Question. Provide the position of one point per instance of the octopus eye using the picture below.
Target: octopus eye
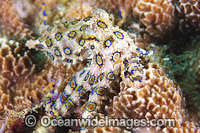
(119, 35)
(90, 106)
(101, 24)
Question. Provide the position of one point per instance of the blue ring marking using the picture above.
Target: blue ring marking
(87, 18)
(81, 44)
(58, 34)
(45, 22)
(92, 47)
(120, 12)
(82, 72)
(51, 112)
(83, 27)
(50, 55)
(90, 62)
(116, 34)
(97, 60)
(53, 105)
(114, 55)
(108, 41)
(83, 128)
(74, 81)
(49, 39)
(51, 91)
(112, 75)
(59, 26)
(41, 39)
(47, 102)
(44, 14)
(86, 77)
(138, 49)
(135, 70)
(92, 108)
(66, 52)
(101, 24)
(137, 79)
(75, 22)
(39, 45)
(57, 52)
(80, 88)
(68, 100)
(73, 34)
(94, 90)
(91, 83)
(78, 54)
(43, 3)
(69, 61)
(101, 75)
(62, 95)
(84, 91)
(104, 89)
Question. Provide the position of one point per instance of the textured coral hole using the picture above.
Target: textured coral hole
(188, 9)
(19, 69)
(8, 63)
(4, 52)
(147, 75)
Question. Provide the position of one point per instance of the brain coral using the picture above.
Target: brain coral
(11, 23)
(156, 15)
(156, 97)
(189, 11)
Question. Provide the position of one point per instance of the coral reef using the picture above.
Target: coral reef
(156, 97)
(189, 15)
(11, 23)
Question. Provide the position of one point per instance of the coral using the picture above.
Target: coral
(189, 15)
(186, 127)
(156, 15)
(15, 62)
(156, 97)
(11, 23)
